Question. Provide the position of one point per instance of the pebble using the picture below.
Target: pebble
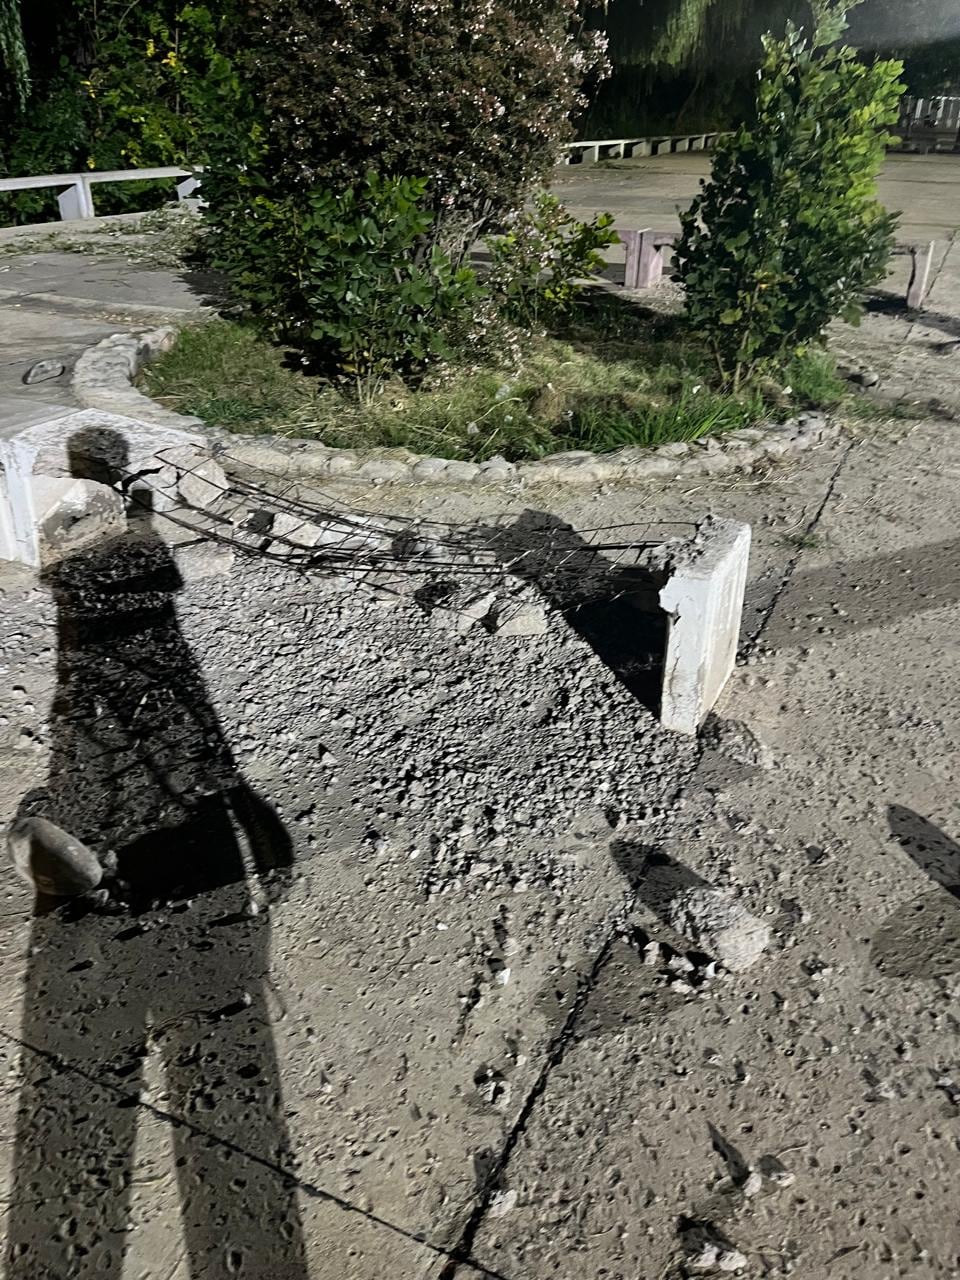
(43, 371)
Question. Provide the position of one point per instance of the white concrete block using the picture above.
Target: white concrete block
(18, 525)
(703, 599)
(174, 467)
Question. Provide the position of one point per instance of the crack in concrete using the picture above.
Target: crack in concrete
(461, 1253)
(65, 1067)
(752, 643)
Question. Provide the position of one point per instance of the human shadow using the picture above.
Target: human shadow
(612, 607)
(922, 938)
(654, 876)
(173, 967)
(628, 990)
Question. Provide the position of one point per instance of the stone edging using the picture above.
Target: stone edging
(103, 379)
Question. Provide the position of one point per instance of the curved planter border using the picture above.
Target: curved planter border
(103, 379)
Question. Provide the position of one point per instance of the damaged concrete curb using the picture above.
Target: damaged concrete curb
(103, 379)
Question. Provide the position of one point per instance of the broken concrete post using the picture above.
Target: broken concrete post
(922, 259)
(703, 600)
(18, 525)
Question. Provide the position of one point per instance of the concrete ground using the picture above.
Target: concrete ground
(439, 1047)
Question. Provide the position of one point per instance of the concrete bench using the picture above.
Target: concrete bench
(644, 262)
(76, 197)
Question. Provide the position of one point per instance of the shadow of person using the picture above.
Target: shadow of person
(613, 608)
(922, 938)
(174, 970)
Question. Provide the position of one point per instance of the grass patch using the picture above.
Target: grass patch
(614, 377)
(814, 381)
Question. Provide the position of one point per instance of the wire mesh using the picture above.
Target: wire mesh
(263, 514)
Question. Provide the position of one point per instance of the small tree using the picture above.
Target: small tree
(788, 233)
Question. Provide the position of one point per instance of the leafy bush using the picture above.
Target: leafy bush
(115, 85)
(475, 95)
(788, 233)
(351, 278)
(539, 263)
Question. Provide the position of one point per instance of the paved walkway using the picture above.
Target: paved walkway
(53, 305)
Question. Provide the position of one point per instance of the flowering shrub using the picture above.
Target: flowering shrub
(474, 95)
(468, 101)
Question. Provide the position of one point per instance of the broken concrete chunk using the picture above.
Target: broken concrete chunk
(52, 860)
(736, 741)
(461, 612)
(519, 618)
(203, 559)
(718, 925)
(72, 513)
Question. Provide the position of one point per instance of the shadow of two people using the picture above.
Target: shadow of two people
(140, 766)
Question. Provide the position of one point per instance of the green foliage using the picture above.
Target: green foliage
(351, 278)
(813, 380)
(114, 86)
(476, 95)
(787, 234)
(13, 53)
(539, 264)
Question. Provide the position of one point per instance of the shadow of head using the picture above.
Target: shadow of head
(653, 875)
(932, 850)
(100, 454)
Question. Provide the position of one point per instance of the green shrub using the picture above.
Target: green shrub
(787, 234)
(539, 264)
(350, 278)
(476, 95)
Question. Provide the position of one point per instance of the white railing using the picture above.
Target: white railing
(76, 197)
(656, 144)
(941, 113)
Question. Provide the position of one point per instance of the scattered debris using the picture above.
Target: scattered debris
(737, 742)
(720, 926)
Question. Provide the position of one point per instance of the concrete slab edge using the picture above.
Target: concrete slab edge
(103, 379)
